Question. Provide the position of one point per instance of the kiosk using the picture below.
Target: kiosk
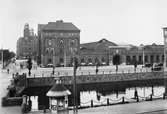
(58, 98)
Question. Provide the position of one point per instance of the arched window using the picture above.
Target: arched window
(102, 59)
(96, 60)
(82, 60)
(61, 60)
(89, 60)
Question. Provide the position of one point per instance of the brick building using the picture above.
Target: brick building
(58, 41)
(28, 44)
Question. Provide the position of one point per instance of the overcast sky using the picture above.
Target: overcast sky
(120, 21)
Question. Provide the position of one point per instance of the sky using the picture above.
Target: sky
(120, 21)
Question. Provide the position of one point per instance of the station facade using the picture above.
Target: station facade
(58, 42)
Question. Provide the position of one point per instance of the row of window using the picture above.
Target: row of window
(61, 34)
(90, 60)
(147, 58)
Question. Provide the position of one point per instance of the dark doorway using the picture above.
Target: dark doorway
(116, 59)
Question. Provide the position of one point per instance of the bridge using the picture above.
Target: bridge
(96, 78)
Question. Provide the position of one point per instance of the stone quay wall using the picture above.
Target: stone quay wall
(100, 78)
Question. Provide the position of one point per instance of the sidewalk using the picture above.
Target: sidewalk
(132, 108)
(148, 107)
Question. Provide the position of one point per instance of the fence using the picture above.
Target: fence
(123, 100)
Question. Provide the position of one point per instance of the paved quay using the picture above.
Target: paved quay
(146, 107)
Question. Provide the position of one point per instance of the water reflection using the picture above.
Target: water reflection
(100, 96)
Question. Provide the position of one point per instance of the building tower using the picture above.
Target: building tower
(26, 30)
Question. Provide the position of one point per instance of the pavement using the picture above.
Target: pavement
(147, 107)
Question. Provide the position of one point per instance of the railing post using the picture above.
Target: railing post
(108, 102)
(151, 97)
(164, 96)
(91, 103)
(123, 100)
(137, 99)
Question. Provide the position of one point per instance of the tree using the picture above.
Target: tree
(29, 65)
(7, 56)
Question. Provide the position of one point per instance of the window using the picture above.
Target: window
(82, 60)
(96, 60)
(157, 58)
(128, 59)
(151, 58)
(103, 60)
(89, 60)
(146, 58)
(61, 60)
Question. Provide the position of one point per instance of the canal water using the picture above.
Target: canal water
(99, 93)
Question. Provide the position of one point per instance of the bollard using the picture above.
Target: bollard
(103, 72)
(151, 97)
(34, 75)
(108, 102)
(91, 103)
(89, 73)
(137, 99)
(123, 100)
(81, 73)
(164, 96)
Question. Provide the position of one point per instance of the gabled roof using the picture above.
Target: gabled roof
(59, 25)
(101, 44)
(58, 90)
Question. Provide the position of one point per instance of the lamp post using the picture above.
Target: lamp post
(74, 50)
(143, 57)
(165, 45)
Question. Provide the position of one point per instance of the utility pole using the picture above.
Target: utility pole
(2, 57)
(74, 82)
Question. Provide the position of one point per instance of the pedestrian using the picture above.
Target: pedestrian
(136, 94)
(97, 70)
(8, 71)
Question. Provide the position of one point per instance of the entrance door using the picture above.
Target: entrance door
(116, 59)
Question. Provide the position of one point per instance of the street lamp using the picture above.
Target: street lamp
(165, 45)
(75, 64)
